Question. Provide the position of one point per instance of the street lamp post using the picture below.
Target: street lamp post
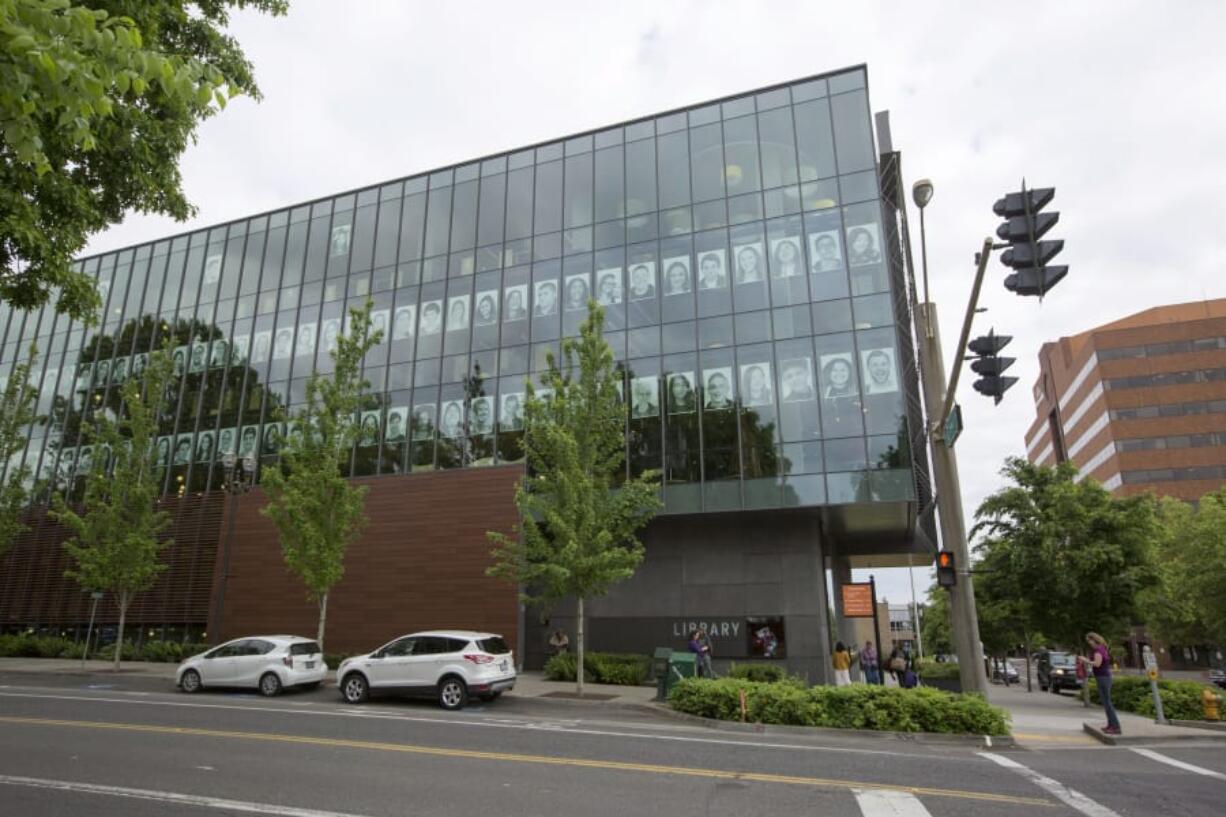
(237, 482)
(938, 398)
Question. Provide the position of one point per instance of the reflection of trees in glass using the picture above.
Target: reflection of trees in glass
(758, 450)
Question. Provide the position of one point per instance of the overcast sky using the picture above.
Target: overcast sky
(1110, 102)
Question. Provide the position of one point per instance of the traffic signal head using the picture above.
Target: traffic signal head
(1022, 229)
(947, 575)
(990, 366)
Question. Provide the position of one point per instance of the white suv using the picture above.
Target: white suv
(269, 663)
(448, 664)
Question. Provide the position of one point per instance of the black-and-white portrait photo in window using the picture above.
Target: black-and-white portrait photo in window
(645, 396)
(516, 300)
(163, 453)
(748, 259)
(545, 299)
(677, 276)
(204, 446)
(240, 347)
(178, 364)
(119, 369)
(487, 308)
(340, 239)
(272, 439)
(397, 424)
(577, 291)
(609, 286)
(227, 438)
(331, 332)
(283, 347)
(369, 431)
(423, 421)
(212, 269)
(404, 321)
(756, 389)
(481, 415)
(200, 357)
(306, 339)
(249, 442)
(218, 354)
(452, 423)
(712, 270)
(681, 393)
(787, 260)
(294, 434)
(379, 321)
(879, 375)
(183, 451)
(141, 362)
(825, 253)
(511, 416)
(260, 343)
(431, 318)
(642, 281)
(717, 388)
(457, 313)
(863, 245)
(838, 377)
(796, 380)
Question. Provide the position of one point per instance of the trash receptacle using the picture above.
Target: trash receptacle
(680, 665)
(659, 670)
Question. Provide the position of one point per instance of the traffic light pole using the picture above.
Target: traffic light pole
(937, 393)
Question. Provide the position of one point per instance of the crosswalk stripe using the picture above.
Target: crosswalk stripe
(1070, 797)
(889, 803)
(1179, 764)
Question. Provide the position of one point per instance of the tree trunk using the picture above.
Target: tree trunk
(1027, 637)
(579, 639)
(123, 600)
(323, 620)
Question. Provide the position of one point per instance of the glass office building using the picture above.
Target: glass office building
(737, 248)
(747, 262)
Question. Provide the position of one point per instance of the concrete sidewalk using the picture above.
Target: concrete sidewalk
(528, 685)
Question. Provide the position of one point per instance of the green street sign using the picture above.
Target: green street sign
(953, 426)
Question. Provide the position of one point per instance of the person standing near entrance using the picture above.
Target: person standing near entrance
(559, 642)
(1100, 662)
(868, 664)
(842, 665)
(704, 657)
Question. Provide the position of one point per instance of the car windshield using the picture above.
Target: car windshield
(1061, 659)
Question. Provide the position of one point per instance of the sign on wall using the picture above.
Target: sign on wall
(858, 600)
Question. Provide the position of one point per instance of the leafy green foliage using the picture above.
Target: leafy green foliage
(600, 668)
(1188, 604)
(578, 519)
(1060, 557)
(764, 673)
(858, 706)
(16, 413)
(935, 621)
(935, 670)
(1181, 700)
(317, 511)
(116, 533)
(98, 100)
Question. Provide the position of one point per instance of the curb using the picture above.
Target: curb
(781, 730)
(1190, 733)
(1213, 726)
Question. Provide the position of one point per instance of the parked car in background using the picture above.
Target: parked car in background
(1000, 669)
(449, 665)
(269, 663)
(1057, 671)
(1218, 677)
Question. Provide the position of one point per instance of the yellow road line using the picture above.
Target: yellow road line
(470, 754)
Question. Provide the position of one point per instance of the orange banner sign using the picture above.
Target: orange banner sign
(857, 601)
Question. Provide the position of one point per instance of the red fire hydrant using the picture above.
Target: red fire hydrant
(1211, 702)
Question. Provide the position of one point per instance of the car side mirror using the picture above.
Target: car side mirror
(377, 654)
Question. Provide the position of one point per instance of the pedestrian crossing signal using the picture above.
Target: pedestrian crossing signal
(946, 574)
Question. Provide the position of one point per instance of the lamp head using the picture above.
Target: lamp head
(921, 193)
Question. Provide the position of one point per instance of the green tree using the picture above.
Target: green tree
(1061, 556)
(16, 414)
(935, 622)
(1187, 605)
(578, 518)
(98, 100)
(317, 511)
(116, 532)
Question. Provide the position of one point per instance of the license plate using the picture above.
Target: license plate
(310, 665)
(503, 666)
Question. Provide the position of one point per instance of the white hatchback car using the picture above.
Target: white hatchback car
(450, 665)
(269, 663)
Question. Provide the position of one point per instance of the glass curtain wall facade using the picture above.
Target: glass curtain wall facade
(737, 249)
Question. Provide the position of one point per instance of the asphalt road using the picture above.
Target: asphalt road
(71, 746)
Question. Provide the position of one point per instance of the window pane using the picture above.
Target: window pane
(438, 220)
(578, 209)
(816, 143)
(464, 216)
(707, 162)
(741, 155)
(493, 196)
(519, 203)
(674, 168)
(778, 147)
(610, 184)
(548, 198)
(640, 177)
(853, 136)
(412, 227)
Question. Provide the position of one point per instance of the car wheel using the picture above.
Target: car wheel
(354, 688)
(190, 682)
(270, 685)
(452, 693)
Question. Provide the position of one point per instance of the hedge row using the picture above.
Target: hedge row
(852, 707)
(927, 668)
(1181, 700)
(600, 668)
(36, 646)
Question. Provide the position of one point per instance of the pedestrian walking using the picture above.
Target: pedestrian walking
(696, 647)
(868, 664)
(842, 665)
(559, 642)
(1100, 662)
(897, 665)
(704, 657)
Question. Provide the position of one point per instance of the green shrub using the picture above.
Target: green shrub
(927, 668)
(600, 668)
(853, 707)
(36, 646)
(761, 673)
(1181, 700)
